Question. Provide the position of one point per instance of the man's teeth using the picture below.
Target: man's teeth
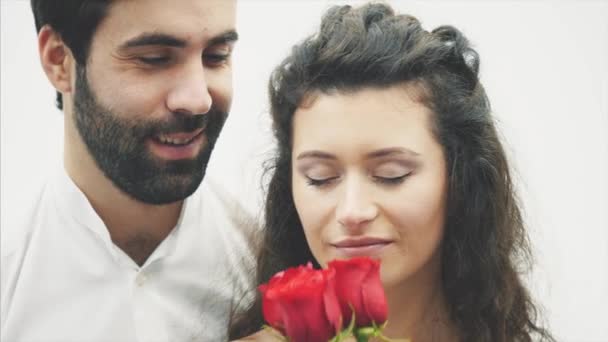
(174, 141)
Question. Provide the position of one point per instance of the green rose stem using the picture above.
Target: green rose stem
(364, 334)
(346, 332)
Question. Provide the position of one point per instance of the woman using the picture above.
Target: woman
(387, 148)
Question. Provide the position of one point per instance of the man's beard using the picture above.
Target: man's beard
(118, 146)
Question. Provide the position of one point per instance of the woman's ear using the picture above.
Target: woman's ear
(56, 59)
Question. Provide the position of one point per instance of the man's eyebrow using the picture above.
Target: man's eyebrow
(161, 39)
(224, 38)
(151, 38)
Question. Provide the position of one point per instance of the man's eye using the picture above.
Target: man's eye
(320, 182)
(154, 60)
(216, 58)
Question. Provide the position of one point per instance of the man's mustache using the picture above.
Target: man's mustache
(181, 123)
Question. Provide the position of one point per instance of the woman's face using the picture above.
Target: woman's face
(369, 179)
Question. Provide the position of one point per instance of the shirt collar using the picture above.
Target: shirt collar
(71, 202)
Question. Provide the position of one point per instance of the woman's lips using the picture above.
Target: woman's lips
(366, 246)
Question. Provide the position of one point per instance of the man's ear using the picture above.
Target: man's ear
(56, 59)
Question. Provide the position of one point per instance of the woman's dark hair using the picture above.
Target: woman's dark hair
(75, 21)
(485, 242)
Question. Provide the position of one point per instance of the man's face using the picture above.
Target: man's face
(155, 92)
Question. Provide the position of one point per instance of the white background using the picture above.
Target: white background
(544, 65)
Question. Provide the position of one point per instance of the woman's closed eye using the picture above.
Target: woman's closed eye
(391, 173)
(320, 181)
(391, 180)
(318, 174)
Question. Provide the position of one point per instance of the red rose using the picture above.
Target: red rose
(301, 303)
(358, 284)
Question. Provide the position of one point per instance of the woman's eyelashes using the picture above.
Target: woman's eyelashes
(385, 173)
(319, 176)
(391, 173)
(320, 181)
(391, 180)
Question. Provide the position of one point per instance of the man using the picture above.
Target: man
(122, 244)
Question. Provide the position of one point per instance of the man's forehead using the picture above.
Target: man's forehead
(188, 21)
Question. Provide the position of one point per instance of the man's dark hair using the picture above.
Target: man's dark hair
(74, 20)
(485, 241)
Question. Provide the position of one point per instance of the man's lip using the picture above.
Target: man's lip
(361, 242)
(182, 135)
(168, 151)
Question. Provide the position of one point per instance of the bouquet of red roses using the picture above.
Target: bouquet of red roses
(308, 305)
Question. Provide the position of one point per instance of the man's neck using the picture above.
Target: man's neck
(136, 227)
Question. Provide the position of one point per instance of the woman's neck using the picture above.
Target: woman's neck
(418, 310)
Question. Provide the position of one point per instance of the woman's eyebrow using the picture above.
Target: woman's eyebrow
(315, 154)
(390, 151)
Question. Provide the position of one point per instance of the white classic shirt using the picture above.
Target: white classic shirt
(63, 280)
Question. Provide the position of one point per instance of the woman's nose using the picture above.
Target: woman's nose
(356, 207)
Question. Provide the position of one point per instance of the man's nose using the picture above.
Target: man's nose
(190, 93)
(356, 207)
